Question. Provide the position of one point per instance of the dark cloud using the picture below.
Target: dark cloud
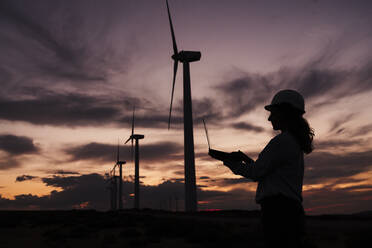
(56, 42)
(232, 181)
(17, 145)
(247, 127)
(25, 178)
(205, 108)
(244, 94)
(322, 166)
(329, 200)
(167, 192)
(204, 156)
(154, 119)
(175, 180)
(362, 130)
(331, 144)
(347, 180)
(339, 83)
(318, 80)
(314, 82)
(64, 43)
(92, 151)
(91, 189)
(179, 172)
(208, 109)
(29, 27)
(64, 172)
(225, 182)
(60, 110)
(204, 177)
(340, 122)
(161, 151)
(63, 182)
(9, 162)
(45, 107)
(62, 47)
(319, 86)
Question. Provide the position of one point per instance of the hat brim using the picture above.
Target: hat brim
(272, 106)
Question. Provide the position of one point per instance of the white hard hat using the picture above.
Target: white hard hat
(290, 97)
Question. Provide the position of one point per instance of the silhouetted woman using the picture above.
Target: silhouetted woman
(279, 171)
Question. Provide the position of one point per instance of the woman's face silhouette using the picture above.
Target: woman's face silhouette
(277, 119)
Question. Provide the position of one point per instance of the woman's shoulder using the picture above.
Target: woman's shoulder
(285, 139)
(283, 144)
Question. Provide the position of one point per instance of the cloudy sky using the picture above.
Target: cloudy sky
(71, 71)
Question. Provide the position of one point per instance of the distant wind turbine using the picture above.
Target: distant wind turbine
(120, 164)
(113, 190)
(135, 137)
(185, 57)
(114, 185)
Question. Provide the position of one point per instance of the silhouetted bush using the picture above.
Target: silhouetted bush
(361, 239)
(109, 238)
(130, 233)
(80, 231)
(163, 229)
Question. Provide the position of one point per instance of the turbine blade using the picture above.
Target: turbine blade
(132, 150)
(113, 170)
(175, 50)
(128, 139)
(206, 133)
(117, 154)
(174, 81)
(133, 121)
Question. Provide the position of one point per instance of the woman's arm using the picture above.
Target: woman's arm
(268, 159)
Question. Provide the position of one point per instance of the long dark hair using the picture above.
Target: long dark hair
(299, 128)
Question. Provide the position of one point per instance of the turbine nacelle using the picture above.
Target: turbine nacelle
(137, 136)
(187, 56)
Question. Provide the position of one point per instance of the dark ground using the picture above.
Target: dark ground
(150, 228)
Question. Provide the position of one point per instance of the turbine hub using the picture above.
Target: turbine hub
(187, 56)
(138, 136)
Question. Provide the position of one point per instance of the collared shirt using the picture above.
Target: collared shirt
(279, 169)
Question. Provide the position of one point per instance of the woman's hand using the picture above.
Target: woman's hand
(242, 157)
(234, 166)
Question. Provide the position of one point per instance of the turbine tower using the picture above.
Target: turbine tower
(135, 137)
(114, 191)
(185, 57)
(115, 194)
(112, 188)
(120, 164)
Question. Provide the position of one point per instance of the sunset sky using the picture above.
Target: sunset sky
(71, 71)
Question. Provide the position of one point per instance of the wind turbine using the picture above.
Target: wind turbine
(185, 57)
(120, 164)
(135, 137)
(113, 190)
(114, 184)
